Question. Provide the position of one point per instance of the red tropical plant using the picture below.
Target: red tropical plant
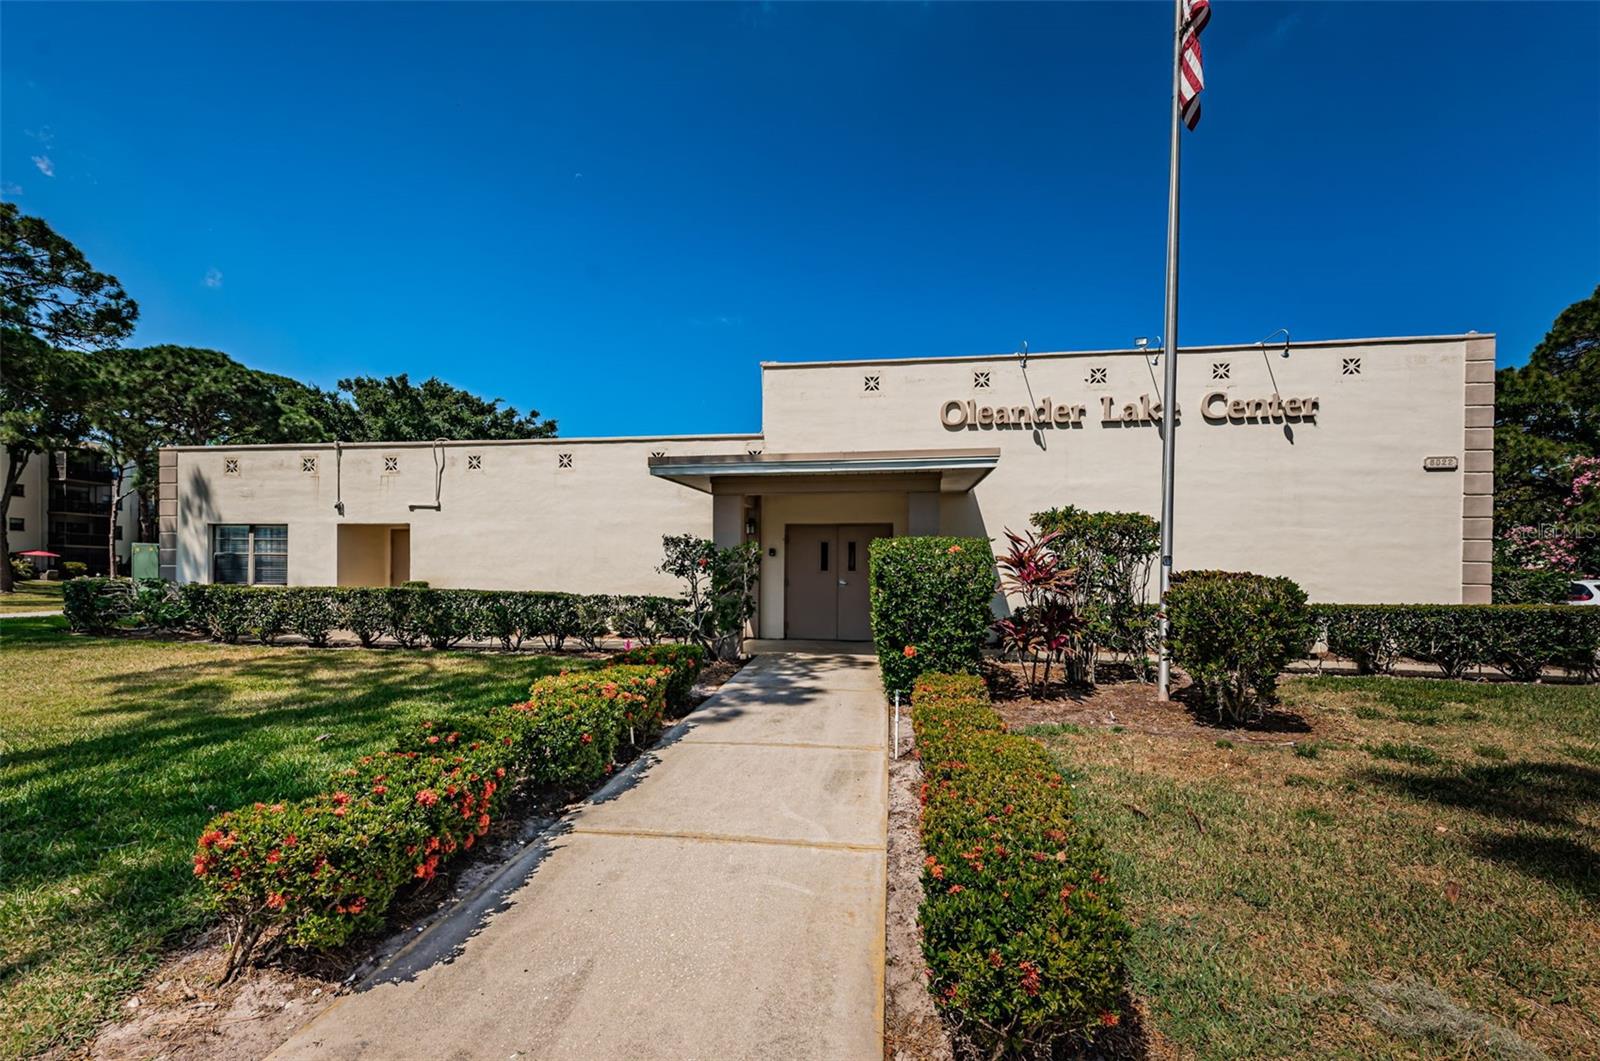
(1039, 631)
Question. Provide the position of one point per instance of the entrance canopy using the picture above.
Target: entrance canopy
(949, 471)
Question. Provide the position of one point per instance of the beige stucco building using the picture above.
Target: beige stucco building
(1361, 468)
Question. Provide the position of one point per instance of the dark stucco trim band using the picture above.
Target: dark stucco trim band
(167, 515)
(1477, 479)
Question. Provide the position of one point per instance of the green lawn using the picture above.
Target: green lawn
(114, 753)
(35, 595)
(1424, 882)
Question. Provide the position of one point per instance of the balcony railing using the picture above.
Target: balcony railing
(86, 500)
(80, 472)
(78, 541)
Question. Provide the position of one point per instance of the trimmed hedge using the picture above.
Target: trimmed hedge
(1519, 640)
(1021, 928)
(323, 869)
(931, 605)
(1233, 632)
(326, 868)
(684, 658)
(411, 615)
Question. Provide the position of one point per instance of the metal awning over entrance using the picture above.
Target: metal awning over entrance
(949, 471)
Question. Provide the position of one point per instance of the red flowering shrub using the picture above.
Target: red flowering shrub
(639, 689)
(685, 661)
(1020, 927)
(325, 868)
(329, 866)
(570, 728)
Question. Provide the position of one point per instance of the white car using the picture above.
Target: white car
(1585, 591)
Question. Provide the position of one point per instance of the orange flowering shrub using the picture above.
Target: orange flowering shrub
(569, 730)
(324, 868)
(1020, 926)
(685, 659)
(320, 870)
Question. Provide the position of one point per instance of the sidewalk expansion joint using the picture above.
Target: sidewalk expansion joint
(725, 838)
(786, 744)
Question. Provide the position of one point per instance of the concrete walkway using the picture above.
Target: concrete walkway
(723, 898)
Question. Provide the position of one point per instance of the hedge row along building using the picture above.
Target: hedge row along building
(1362, 468)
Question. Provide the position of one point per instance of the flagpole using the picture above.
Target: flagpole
(1169, 349)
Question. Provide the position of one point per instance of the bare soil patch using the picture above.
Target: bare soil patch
(712, 675)
(183, 1014)
(1131, 705)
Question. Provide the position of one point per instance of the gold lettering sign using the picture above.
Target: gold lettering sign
(956, 414)
(1217, 407)
(1144, 411)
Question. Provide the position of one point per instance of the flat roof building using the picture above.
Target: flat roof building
(1361, 468)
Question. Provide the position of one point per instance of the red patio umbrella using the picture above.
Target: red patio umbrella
(41, 552)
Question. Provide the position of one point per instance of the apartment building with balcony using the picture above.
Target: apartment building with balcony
(62, 505)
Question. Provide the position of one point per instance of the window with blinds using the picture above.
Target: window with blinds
(250, 554)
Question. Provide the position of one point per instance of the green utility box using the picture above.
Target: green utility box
(146, 560)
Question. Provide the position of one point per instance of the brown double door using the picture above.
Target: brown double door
(825, 580)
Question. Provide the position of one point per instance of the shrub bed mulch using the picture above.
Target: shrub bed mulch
(912, 1029)
(183, 1014)
(1132, 705)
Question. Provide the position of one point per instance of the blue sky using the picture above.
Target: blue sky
(612, 212)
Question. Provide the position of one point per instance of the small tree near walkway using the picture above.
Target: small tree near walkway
(719, 589)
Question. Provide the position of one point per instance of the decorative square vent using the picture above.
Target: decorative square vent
(474, 462)
(1096, 375)
(308, 464)
(871, 383)
(391, 465)
(230, 466)
(1351, 366)
(980, 380)
(1221, 370)
(563, 460)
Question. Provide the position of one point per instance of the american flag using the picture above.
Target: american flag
(1191, 80)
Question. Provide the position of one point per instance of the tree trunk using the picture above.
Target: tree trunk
(111, 526)
(16, 461)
